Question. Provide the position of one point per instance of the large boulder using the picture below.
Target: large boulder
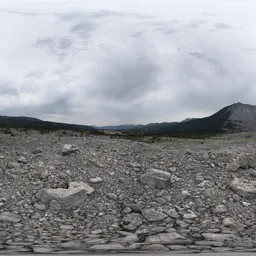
(156, 178)
(244, 187)
(67, 198)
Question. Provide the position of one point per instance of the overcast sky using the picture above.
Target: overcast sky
(102, 62)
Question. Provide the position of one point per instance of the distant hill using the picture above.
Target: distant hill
(237, 117)
(34, 123)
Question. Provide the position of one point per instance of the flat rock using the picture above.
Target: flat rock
(156, 178)
(68, 198)
(244, 187)
(154, 247)
(107, 247)
(129, 239)
(168, 238)
(218, 237)
(9, 217)
(233, 167)
(152, 214)
(69, 149)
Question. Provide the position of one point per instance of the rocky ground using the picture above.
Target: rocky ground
(95, 193)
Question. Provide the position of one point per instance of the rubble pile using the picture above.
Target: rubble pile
(86, 194)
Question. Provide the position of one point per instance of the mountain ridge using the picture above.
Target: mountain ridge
(237, 117)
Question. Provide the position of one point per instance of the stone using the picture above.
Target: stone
(252, 172)
(39, 206)
(244, 187)
(218, 237)
(1, 173)
(9, 217)
(243, 161)
(69, 149)
(96, 180)
(220, 209)
(199, 178)
(168, 238)
(54, 204)
(172, 213)
(68, 198)
(152, 214)
(154, 247)
(107, 247)
(233, 167)
(182, 223)
(42, 249)
(22, 160)
(130, 239)
(37, 151)
(13, 165)
(134, 207)
(210, 243)
(112, 196)
(66, 227)
(132, 220)
(228, 222)
(156, 178)
(82, 186)
(190, 216)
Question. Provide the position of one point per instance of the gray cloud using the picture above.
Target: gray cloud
(60, 47)
(221, 26)
(7, 88)
(59, 106)
(83, 28)
(126, 78)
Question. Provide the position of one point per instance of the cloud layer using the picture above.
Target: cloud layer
(102, 62)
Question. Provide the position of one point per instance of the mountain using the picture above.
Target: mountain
(234, 118)
(34, 123)
(186, 120)
(237, 117)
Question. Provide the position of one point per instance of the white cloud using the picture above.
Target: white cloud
(116, 61)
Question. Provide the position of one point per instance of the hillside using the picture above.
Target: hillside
(37, 124)
(237, 117)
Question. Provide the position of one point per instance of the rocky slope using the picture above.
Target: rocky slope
(99, 194)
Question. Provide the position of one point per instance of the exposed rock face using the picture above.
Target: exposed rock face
(244, 187)
(67, 198)
(156, 178)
